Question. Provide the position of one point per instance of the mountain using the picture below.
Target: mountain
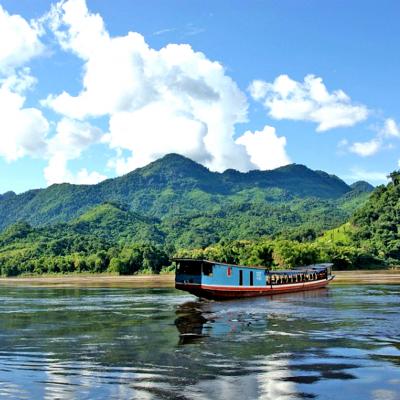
(173, 185)
(137, 221)
(361, 187)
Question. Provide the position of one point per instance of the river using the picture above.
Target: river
(93, 343)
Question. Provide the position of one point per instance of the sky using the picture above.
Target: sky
(92, 89)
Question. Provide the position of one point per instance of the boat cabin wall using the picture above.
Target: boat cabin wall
(232, 275)
(218, 274)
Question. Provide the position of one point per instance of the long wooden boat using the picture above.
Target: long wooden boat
(215, 280)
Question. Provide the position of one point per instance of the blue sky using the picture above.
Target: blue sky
(94, 89)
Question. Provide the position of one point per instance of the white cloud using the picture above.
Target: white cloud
(19, 42)
(153, 131)
(390, 128)
(365, 149)
(88, 178)
(57, 172)
(71, 139)
(159, 101)
(22, 130)
(266, 149)
(309, 100)
(164, 31)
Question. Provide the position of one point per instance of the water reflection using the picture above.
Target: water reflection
(154, 344)
(190, 321)
(195, 319)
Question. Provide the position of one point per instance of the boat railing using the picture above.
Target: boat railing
(291, 277)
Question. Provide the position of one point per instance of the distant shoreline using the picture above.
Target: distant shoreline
(94, 280)
(167, 280)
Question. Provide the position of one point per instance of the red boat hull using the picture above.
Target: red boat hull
(231, 292)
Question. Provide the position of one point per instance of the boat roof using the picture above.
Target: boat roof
(302, 269)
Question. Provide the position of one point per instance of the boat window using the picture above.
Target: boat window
(207, 269)
(229, 272)
(251, 278)
(241, 277)
(189, 268)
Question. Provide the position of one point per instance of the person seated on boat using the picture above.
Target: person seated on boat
(268, 279)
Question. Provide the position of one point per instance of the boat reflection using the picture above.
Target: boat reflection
(199, 319)
(190, 321)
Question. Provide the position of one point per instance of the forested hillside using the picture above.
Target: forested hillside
(377, 223)
(173, 205)
(172, 185)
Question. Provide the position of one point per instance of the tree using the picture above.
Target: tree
(395, 177)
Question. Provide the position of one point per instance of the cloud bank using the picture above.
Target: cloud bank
(158, 101)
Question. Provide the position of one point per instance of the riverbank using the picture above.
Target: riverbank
(167, 280)
(95, 280)
(367, 277)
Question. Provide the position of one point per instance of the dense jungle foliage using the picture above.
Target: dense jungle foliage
(282, 218)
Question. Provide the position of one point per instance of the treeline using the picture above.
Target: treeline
(280, 254)
(149, 258)
(128, 260)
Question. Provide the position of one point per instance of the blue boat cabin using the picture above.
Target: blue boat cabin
(220, 274)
